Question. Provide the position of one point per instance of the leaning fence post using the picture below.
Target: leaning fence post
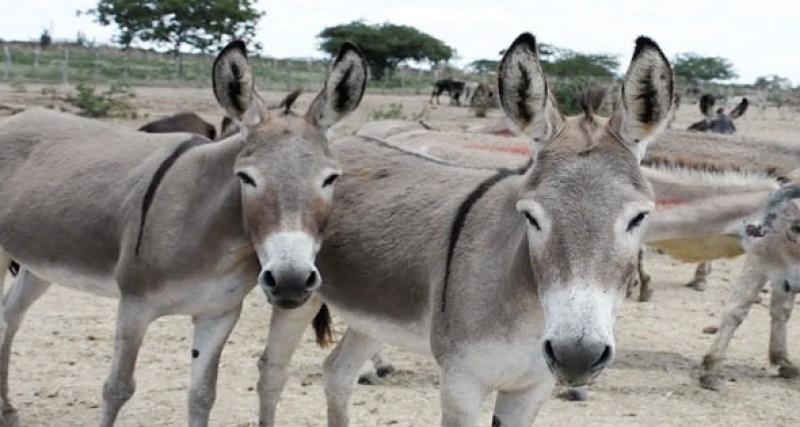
(65, 70)
(7, 66)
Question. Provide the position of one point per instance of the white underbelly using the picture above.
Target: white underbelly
(105, 286)
(413, 336)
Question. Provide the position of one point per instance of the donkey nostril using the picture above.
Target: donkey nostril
(268, 279)
(604, 359)
(786, 286)
(312, 279)
(548, 351)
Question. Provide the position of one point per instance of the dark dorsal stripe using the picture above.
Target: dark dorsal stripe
(158, 176)
(463, 211)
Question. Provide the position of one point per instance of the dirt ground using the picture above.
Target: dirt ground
(62, 353)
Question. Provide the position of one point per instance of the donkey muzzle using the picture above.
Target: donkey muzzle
(289, 289)
(576, 362)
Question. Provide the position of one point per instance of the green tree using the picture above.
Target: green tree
(484, 66)
(199, 24)
(560, 62)
(386, 45)
(773, 82)
(702, 69)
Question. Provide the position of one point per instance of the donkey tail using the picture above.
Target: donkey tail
(322, 326)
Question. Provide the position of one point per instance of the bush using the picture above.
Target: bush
(112, 103)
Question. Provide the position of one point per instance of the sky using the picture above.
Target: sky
(759, 37)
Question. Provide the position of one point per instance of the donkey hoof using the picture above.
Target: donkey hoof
(711, 382)
(9, 418)
(790, 371)
(698, 285)
(385, 371)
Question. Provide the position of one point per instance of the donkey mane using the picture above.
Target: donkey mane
(158, 176)
(591, 100)
(712, 167)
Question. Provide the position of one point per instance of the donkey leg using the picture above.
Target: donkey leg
(26, 290)
(645, 291)
(341, 370)
(210, 335)
(780, 310)
(518, 408)
(700, 275)
(285, 331)
(749, 284)
(462, 395)
(133, 318)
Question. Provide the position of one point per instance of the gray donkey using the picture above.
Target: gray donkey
(719, 122)
(170, 223)
(510, 279)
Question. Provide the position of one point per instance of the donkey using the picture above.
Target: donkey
(181, 122)
(170, 224)
(773, 245)
(510, 279)
(719, 121)
(452, 87)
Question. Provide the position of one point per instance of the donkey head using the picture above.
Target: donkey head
(718, 121)
(585, 200)
(774, 239)
(285, 167)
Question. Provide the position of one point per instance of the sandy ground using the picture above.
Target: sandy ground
(62, 352)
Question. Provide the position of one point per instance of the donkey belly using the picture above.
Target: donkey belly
(410, 335)
(95, 283)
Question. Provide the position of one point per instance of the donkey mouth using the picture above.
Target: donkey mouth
(287, 303)
(572, 378)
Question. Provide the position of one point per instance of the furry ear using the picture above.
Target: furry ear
(234, 85)
(707, 102)
(647, 95)
(740, 109)
(344, 87)
(524, 95)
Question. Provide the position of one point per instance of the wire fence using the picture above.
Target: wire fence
(69, 63)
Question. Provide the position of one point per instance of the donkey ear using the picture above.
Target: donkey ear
(233, 85)
(524, 95)
(646, 98)
(740, 109)
(707, 102)
(343, 88)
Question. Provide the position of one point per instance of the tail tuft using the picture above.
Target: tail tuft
(322, 326)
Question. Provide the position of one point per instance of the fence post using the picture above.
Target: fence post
(36, 54)
(65, 70)
(7, 66)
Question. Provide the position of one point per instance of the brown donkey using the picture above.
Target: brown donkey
(510, 279)
(170, 225)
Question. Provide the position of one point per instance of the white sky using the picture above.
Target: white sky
(760, 37)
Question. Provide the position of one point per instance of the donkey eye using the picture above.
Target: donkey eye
(532, 221)
(330, 180)
(246, 179)
(636, 221)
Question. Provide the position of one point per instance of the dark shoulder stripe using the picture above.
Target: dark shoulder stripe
(463, 211)
(158, 176)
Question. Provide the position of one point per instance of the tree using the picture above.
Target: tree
(773, 82)
(560, 62)
(702, 69)
(385, 45)
(201, 24)
(484, 66)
